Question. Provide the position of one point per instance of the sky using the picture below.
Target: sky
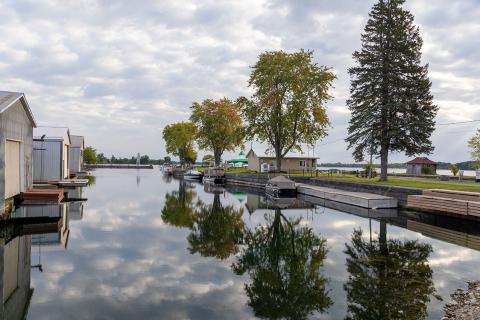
(118, 72)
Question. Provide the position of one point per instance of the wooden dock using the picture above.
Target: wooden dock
(359, 199)
(448, 201)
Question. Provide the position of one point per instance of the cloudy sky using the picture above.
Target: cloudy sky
(119, 71)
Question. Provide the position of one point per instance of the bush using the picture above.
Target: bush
(454, 169)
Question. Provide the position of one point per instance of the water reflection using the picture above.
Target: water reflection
(283, 260)
(388, 279)
(179, 206)
(217, 229)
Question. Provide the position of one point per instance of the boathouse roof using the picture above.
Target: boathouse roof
(77, 141)
(422, 160)
(52, 133)
(7, 99)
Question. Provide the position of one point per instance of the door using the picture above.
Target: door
(12, 168)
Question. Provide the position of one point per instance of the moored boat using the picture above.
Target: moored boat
(167, 169)
(281, 187)
(193, 175)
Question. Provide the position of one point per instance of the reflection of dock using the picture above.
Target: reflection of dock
(456, 237)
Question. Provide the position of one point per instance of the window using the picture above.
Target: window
(303, 163)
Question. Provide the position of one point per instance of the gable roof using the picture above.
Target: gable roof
(52, 133)
(422, 160)
(77, 141)
(289, 155)
(7, 99)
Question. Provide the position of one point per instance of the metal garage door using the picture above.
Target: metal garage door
(12, 168)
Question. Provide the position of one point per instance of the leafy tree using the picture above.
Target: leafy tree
(287, 108)
(191, 155)
(90, 155)
(179, 207)
(388, 279)
(101, 158)
(167, 159)
(283, 260)
(390, 103)
(217, 230)
(219, 126)
(454, 169)
(179, 139)
(145, 159)
(208, 157)
(474, 145)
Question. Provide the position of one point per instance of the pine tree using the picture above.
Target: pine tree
(391, 105)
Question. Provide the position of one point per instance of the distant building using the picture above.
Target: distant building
(16, 134)
(51, 149)
(76, 154)
(421, 165)
(263, 163)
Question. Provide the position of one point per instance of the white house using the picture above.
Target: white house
(291, 163)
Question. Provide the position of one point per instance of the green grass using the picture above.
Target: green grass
(414, 183)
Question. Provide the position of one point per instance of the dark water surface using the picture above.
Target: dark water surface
(148, 247)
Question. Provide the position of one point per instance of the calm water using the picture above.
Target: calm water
(151, 248)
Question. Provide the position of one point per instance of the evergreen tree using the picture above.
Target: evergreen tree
(391, 105)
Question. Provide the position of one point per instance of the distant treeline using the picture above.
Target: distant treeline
(144, 159)
(466, 165)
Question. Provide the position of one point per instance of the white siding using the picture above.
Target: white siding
(10, 276)
(12, 168)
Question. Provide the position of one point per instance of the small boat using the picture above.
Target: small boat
(193, 175)
(167, 170)
(281, 187)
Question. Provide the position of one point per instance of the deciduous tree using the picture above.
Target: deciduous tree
(90, 155)
(179, 138)
(390, 102)
(287, 108)
(219, 126)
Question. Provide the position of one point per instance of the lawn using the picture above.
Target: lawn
(413, 183)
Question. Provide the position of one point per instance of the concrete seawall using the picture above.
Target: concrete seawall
(399, 193)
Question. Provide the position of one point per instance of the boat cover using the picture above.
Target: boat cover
(282, 182)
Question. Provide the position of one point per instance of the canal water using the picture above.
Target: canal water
(151, 247)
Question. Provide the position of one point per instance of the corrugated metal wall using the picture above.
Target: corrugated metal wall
(75, 165)
(47, 164)
(15, 125)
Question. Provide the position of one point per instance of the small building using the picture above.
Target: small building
(76, 154)
(421, 165)
(240, 161)
(51, 149)
(265, 163)
(16, 136)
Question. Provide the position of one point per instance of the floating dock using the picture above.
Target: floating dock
(359, 199)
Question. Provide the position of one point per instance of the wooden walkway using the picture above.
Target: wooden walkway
(359, 199)
(448, 201)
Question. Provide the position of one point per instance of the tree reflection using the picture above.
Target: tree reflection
(217, 230)
(388, 279)
(283, 260)
(179, 206)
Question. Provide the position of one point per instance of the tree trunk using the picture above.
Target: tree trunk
(278, 160)
(218, 157)
(383, 162)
